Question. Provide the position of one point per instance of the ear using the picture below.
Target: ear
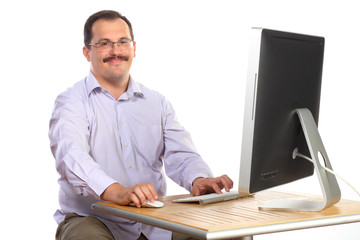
(134, 49)
(86, 53)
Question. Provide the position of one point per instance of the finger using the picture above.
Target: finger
(216, 187)
(140, 195)
(153, 191)
(135, 200)
(227, 183)
(195, 191)
(149, 192)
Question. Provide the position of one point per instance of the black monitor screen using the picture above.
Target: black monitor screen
(285, 72)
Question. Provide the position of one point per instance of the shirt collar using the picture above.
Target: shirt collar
(91, 83)
(132, 90)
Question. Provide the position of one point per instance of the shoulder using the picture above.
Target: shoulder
(149, 93)
(163, 103)
(155, 97)
(77, 91)
(73, 98)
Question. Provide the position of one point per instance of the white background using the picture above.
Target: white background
(193, 52)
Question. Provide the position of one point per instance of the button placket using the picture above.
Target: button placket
(124, 138)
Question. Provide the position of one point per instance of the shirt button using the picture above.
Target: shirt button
(130, 166)
(126, 144)
(121, 122)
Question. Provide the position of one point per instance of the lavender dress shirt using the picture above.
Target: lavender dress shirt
(97, 140)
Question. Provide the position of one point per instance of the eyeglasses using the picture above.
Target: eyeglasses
(104, 46)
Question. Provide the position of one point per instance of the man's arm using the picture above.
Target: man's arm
(69, 140)
(182, 162)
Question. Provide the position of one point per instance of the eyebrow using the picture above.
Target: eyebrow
(107, 39)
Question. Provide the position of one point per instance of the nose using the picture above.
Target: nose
(116, 48)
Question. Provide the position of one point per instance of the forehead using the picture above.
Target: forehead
(110, 29)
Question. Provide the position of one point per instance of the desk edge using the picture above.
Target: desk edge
(231, 233)
(194, 232)
(283, 227)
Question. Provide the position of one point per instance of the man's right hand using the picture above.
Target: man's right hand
(138, 194)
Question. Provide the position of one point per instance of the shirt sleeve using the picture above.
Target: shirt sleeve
(69, 141)
(182, 162)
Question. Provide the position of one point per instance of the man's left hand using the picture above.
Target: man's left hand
(210, 185)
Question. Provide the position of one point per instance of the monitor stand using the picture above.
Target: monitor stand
(330, 188)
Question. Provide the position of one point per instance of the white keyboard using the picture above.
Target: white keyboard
(212, 198)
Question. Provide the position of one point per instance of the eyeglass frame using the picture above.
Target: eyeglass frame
(118, 43)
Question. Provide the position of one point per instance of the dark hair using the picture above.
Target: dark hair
(105, 14)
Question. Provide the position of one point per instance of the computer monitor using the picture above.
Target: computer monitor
(281, 115)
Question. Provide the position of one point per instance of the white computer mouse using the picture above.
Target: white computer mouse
(155, 204)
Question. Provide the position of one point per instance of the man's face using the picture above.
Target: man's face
(104, 67)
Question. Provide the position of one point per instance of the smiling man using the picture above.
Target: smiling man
(111, 138)
(111, 61)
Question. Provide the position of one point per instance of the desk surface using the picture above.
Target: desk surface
(236, 218)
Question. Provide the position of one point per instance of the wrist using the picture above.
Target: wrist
(111, 192)
(198, 178)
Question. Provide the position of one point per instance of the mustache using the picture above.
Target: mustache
(125, 58)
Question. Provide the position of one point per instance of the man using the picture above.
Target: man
(111, 136)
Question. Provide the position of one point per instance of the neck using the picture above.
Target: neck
(115, 86)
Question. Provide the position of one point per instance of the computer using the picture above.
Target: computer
(280, 119)
(281, 142)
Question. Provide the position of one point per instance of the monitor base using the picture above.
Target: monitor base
(328, 183)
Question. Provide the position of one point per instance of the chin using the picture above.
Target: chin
(119, 76)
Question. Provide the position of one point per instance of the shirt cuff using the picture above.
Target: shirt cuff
(99, 181)
(190, 184)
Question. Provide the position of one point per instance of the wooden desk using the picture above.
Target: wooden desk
(234, 219)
